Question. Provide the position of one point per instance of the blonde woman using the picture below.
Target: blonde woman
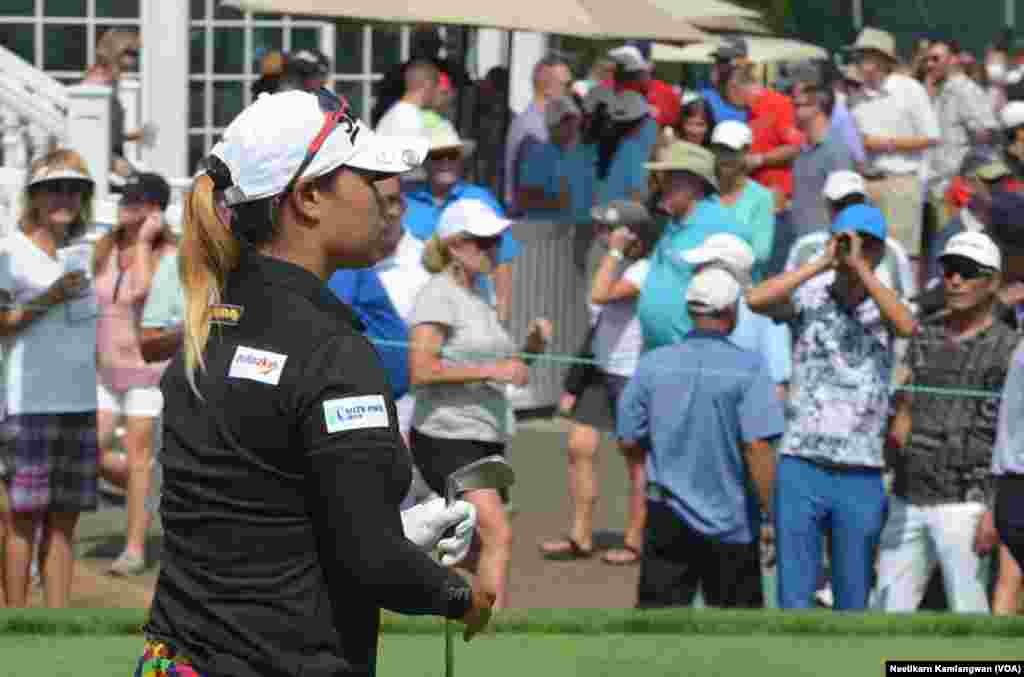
(459, 369)
(48, 320)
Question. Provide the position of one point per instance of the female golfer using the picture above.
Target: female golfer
(48, 321)
(462, 413)
(283, 467)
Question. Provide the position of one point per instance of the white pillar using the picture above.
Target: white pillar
(527, 50)
(129, 92)
(89, 131)
(165, 99)
(491, 46)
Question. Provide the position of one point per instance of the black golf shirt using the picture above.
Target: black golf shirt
(282, 533)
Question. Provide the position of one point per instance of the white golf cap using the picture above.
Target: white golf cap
(1013, 114)
(443, 136)
(49, 173)
(843, 183)
(976, 246)
(630, 58)
(264, 146)
(470, 217)
(711, 291)
(732, 134)
(723, 248)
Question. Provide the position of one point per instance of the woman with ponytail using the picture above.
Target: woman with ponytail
(48, 324)
(462, 413)
(283, 466)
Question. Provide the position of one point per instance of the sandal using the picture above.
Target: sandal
(565, 550)
(627, 555)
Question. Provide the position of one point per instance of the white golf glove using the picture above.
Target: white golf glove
(425, 523)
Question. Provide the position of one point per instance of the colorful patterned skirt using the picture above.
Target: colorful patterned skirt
(160, 660)
(52, 462)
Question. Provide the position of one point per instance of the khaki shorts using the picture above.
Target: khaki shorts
(901, 199)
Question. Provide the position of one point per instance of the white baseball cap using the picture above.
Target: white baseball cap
(443, 136)
(48, 173)
(732, 134)
(711, 291)
(630, 58)
(844, 183)
(976, 246)
(471, 217)
(265, 145)
(1013, 114)
(725, 248)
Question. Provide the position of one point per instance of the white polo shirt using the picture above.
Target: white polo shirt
(901, 109)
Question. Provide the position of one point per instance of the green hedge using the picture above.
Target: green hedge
(588, 622)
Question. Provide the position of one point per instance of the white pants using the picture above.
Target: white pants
(917, 538)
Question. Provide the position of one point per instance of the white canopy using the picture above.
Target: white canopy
(762, 50)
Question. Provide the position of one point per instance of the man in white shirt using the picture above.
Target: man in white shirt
(898, 123)
(405, 117)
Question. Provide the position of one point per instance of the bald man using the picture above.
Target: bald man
(405, 117)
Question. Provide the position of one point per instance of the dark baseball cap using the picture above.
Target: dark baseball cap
(1006, 219)
(147, 187)
(307, 63)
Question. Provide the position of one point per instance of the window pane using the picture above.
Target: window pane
(120, 9)
(196, 104)
(387, 48)
(19, 7)
(353, 91)
(228, 50)
(265, 40)
(198, 10)
(348, 50)
(228, 101)
(197, 50)
(196, 151)
(64, 48)
(64, 8)
(20, 39)
(222, 11)
(305, 38)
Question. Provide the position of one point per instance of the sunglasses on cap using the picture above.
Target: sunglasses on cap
(336, 110)
(964, 267)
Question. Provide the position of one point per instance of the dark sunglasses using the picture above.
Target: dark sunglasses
(965, 268)
(485, 243)
(64, 186)
(450, 154)
(336, 111)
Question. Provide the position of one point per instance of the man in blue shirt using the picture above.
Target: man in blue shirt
(686, 175)
(730, 80)
(425, 201)
(704, 411)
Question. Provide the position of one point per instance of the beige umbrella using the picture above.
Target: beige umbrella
(762, 50)
(653, 19)
(730, 24)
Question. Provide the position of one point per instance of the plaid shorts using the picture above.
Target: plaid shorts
(53, 461)
(160, 660)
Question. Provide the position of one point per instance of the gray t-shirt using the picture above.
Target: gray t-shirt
(465, 411)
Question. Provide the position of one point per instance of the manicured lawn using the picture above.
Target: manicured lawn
(536, 654)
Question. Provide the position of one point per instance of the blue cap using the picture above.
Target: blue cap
(861, 218)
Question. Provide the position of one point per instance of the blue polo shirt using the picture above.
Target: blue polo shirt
(695, 405)
(722, 109)
(543, 166)
(627, 174)
(422, 213)
(662, 303)
(769, 339)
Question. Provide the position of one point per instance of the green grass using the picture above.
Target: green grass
(514, 655)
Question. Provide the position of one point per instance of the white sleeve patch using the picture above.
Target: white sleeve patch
(257, 365)
(356, 413)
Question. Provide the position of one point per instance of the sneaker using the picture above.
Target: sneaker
(824, 596)
(128, 564)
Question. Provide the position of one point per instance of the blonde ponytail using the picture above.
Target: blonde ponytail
(436, 256)
(209, 252)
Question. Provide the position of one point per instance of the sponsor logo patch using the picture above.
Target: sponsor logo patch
(257, 365)
(226, 314)
(356, 413)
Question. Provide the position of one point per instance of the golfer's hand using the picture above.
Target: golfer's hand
(425, 524)
(479, 615)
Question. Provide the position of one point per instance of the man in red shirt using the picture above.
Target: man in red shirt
(776, 143)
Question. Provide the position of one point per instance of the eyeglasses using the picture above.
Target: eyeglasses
(965, 268)
(336, 110)
(63, 186)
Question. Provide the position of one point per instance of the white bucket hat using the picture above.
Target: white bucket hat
(267, 143)
(471, 217)
(444, 136)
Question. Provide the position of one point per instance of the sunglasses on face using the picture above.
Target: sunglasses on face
(965, 268)
(336, 112)
(452, 155)
(485, 243)
(63, 187)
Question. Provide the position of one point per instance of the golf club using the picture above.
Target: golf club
(490, 472)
